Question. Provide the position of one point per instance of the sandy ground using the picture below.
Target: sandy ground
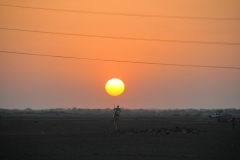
(95, 138)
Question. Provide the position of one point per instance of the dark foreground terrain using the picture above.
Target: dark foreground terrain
(95, 138)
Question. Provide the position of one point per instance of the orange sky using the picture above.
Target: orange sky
(40, 82)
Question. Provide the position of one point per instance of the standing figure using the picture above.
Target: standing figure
(233, 122)
(116, 116)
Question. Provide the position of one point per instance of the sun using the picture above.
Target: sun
(114, 87)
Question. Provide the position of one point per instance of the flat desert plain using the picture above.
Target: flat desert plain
(138, 138)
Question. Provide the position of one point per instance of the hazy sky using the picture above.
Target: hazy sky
(41, 82)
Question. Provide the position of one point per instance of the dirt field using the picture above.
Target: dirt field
(95, 138)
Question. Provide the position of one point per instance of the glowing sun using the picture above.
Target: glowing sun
(114, 87)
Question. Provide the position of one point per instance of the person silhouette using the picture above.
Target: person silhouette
(117, 111)
(116, 116)
(233, 122)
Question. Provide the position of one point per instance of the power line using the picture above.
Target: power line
(120, 61)
(124, 38)
(126, 14)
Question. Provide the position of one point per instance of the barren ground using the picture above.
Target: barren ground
(95, 138)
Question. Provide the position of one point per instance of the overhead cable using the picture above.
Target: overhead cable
(121, 61)
(124, 38)
(127, 14)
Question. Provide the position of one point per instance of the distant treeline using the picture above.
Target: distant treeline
(58, 112)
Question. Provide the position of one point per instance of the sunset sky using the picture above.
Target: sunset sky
(44, 82)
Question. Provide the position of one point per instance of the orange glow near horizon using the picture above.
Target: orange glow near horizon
(43, 82)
